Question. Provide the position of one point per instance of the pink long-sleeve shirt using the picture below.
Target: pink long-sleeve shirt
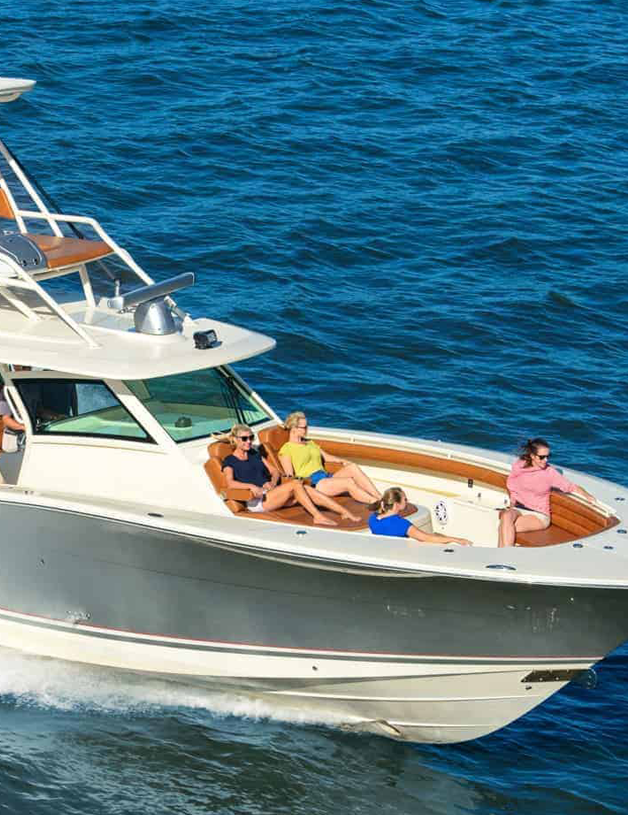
(531, 486)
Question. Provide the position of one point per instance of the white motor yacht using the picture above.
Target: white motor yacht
(122, 545)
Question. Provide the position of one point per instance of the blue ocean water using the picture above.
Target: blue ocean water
(425, 203)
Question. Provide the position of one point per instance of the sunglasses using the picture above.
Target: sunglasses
(246, 438)
(544, 457)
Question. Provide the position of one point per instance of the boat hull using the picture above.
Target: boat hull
(422, 658)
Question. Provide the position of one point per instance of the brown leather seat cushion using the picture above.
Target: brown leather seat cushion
(273, 439)
(60, 252)
(218, 451)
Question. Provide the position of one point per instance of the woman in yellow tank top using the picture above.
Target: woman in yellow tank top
(305, 459)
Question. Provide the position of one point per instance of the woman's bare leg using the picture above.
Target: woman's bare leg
(507, 520)
(512, 522)
(281, 495)
(323, 500)
(361, 479)
(336, 486)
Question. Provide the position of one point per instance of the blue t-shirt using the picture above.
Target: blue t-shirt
(394, 526)
(251, 471)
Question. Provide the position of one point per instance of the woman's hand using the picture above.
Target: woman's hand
(462, 541)
(257, 491)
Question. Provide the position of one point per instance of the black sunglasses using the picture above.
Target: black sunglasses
(544, 457)
(246, 438)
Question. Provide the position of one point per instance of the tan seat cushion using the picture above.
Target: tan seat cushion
(235, 499)
(60, 252)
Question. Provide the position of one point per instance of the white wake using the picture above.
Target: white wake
(29, 680)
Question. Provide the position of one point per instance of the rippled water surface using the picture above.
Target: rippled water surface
(425, 203)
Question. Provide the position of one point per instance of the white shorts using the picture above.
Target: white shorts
(540, 515)
(256, 504)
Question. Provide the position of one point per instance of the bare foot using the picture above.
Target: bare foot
(350, 517)
(321, 519)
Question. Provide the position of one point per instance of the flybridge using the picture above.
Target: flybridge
(101, 330)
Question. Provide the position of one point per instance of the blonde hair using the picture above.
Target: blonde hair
(237, 428)
(392, 496)
(293, 419)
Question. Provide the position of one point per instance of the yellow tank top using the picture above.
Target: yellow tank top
(306, 458)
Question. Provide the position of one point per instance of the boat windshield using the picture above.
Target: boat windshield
(196, 404)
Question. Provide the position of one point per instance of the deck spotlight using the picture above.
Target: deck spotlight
(205, 339)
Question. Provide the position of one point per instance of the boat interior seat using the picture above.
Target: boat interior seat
(62, 252)
(273, 439)
(236, 499)
(544, 537)
(59, 251)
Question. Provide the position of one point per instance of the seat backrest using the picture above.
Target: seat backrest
(272, 440)
(6, 210)
(218, 451)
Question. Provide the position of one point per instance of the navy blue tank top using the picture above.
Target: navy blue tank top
(251, 471)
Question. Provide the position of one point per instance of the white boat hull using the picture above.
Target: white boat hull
(421, 700)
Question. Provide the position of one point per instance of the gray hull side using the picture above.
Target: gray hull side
(132, 578)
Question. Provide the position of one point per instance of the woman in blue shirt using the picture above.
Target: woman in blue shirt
(386, 520)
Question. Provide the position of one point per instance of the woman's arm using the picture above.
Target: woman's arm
(581, 491)
(564, 485)
(240, 485)
(286, 463)
(12, 424)
(328, 457)
(274, 475)
(435, 537)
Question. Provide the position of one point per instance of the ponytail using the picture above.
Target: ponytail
(392, 496)
(530, 448)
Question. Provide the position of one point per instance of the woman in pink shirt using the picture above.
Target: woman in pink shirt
(529, 485)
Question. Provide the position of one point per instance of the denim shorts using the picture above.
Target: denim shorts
(318, 476)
